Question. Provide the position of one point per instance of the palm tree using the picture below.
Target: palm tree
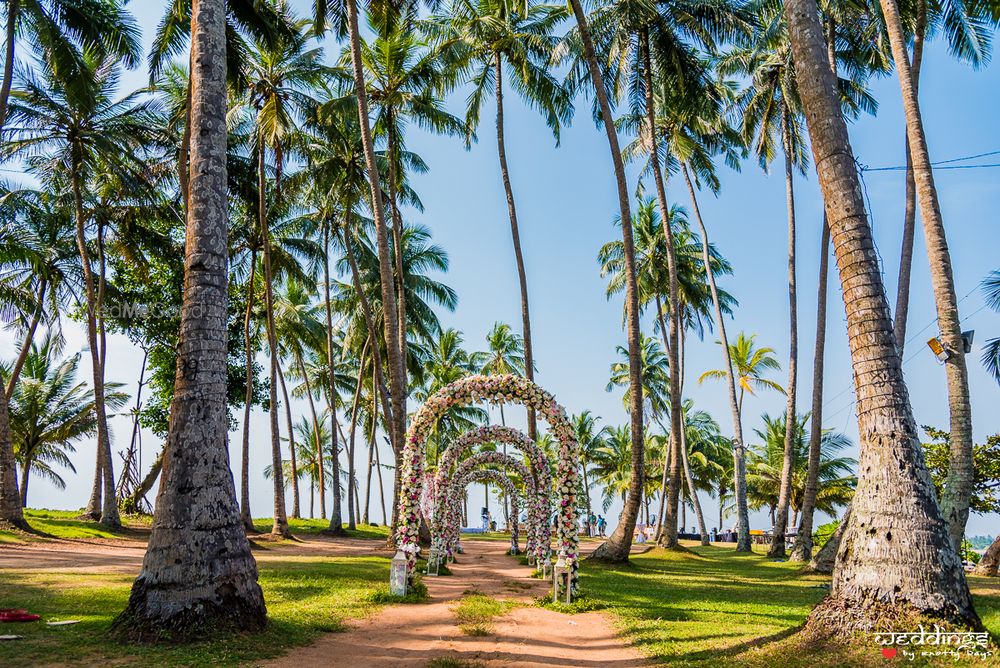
(696, 132)
(507, 356)
(591, 440)
(613, 466)
(404, 77)
(958, 487)
(49, 411)
(79, 131)
(835, 480)
(617, 547)
(187, 583)
(38, 271)
(61, 31)
(341, 16)
(894, 493)
(497, 39)
(968, 29)
(750, 364)
(991, 351)
(280, 80)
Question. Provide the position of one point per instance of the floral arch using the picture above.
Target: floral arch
(445, 525)
(498, 478)
(539, 501)
(495, 390)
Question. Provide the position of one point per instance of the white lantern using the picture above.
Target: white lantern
(398, 574)
(561, 579)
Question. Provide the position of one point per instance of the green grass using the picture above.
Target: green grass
(65, 525)
(318, 526)
(475, 612)
(305, 596)
(710, 607)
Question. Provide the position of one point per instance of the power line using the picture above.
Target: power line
(897, 168)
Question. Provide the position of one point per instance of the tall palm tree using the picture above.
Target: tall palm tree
(78, 131)
(617, 547)
(894, 493)
(958, 487)
(49, 411)
(404, 78)
(281, 78)
(968, 28)
(187, 583)
(495, 40)
(345, 19)
(38, 269)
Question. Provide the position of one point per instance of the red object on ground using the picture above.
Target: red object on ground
(17, 615)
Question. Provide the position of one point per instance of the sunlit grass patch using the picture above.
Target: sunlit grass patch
(475, 613)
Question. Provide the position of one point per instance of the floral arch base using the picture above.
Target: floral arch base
(495, 390)
(539, 501)
(447, 507)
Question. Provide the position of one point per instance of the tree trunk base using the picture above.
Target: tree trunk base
(777, 551)
(839, 619)
(15, 524)
(610, 552)
(801, 551)
(334, 531)
(113, 523)
(227, 611)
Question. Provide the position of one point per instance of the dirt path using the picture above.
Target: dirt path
(413, 635)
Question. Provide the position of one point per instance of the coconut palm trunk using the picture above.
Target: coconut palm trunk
(198, 574)
(318, 444)
(691, 491)
(990, 562)
(245, 517)
(777, 548)
(896, 550)
(366, 309)
(616, 547)
(522, 281)
(958, 485)
(910, 194)
(10, 500)
(352, 486)
(397, 376)
(101, 503)
(291, 445)
(668, 535)
(802, 551)
(739, 452)
(397, 245)
(336, 520)
(279, 525)
(13, 11)
(29, 338)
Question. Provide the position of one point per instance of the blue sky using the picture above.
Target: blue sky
(566, 203)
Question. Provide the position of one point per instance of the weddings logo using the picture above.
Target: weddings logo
(955, 645)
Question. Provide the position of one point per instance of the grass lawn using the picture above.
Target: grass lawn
(710, 607)
(305, 596)
(63, 524)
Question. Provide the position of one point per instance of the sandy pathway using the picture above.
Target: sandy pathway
(412, 635)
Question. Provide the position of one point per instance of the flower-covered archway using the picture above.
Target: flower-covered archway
(445, 525)
(495, 390)
(501, 480)
(539, 502)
